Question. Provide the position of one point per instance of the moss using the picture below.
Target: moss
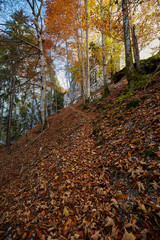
(149, 65)
(106, 93)
(149, 152)
(125, 95)
(133, 103)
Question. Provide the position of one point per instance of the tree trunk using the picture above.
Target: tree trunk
(128, 52)
(36, 11)
(1, 118)
(79, 63)
(83, 69)
(106, 89)
(87, 92)
(43, 79)
(8, 140)
(68, 74)
(136, 50)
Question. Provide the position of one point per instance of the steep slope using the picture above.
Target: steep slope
(92, 174)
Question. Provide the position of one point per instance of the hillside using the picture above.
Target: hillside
(92, 174)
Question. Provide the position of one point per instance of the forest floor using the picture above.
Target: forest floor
(92, 174)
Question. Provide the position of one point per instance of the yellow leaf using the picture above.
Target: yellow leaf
(65, 211)
(24, 236)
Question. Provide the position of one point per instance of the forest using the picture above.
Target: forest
(79, 119)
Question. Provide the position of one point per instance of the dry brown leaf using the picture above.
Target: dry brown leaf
(144, 234)
(96, 236)
(114, 202)
(115, 232)
(132, 224)
(155, 185)
(128, 236)
(109, 222)
(140, 187)
(142, 207)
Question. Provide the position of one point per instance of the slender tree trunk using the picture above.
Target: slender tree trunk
(136, 50)
(32, 117)
(106, 90)
(68, 72)
(1, 118)
(43, 79)
(128, 52)
(83, 68)
(79, 63)
(8, 140)
(87, 92)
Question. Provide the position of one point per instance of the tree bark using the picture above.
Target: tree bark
(43, 79)
(79, 63)
(36, 13)
(106, 89)
(1, 118)
(87, 92)
(136, 50)
(8, 140)
(83, 69)
(128, 52)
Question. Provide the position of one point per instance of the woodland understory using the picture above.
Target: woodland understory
(92, 174)
(91, 170)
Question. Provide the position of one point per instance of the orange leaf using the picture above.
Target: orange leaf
(43, 213)
(124, 196)
(39, 234)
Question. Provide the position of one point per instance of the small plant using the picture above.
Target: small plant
(133, 103)
(126, 95)
(149, 152)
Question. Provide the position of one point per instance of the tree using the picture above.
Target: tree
(136, 50)
(106, 89)
(128, 51)
(36, 7)
(87, 90)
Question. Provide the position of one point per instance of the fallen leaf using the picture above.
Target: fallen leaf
(24, 235)
(142, 207)
(109, 222)
(114, 202)
(155, 185)
(43, 213)
(144, 234)
(128, 236)
(65, 211)
(140, 187)
(96, 236)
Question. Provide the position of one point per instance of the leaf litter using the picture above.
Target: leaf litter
(92, 174)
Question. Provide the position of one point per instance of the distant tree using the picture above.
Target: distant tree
(16, 62)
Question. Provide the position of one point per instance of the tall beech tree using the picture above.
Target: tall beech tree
(87, 90)
(127, 41)
(106, 89)
(36, 7)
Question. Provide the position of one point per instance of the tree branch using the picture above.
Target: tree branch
(20, 39)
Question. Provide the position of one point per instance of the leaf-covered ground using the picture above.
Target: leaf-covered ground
(92, 174)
